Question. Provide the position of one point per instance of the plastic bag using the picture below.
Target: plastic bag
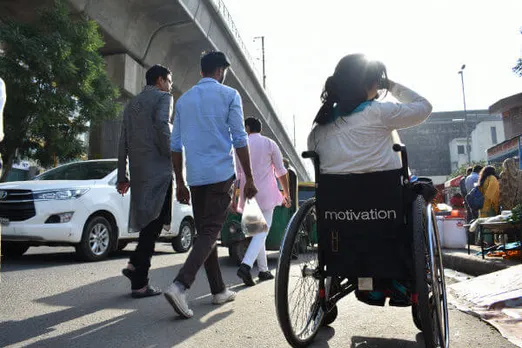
(253, 221)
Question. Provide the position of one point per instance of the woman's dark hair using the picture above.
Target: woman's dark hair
(155, 72)
(348, 86)
(253, 124)
(485, 172)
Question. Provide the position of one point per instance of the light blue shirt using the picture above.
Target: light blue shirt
(470, 181)
(208, 121)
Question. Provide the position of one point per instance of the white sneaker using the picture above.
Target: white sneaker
(223, 297)
(178, 300)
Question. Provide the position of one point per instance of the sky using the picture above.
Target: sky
(422, 43)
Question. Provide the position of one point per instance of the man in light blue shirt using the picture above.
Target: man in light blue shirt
(472, 179)
(208, 122)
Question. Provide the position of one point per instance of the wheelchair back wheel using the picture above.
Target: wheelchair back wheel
(431, 312)
(297, 284)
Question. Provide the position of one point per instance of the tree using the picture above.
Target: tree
(56, 83)
(462, 169)
(518, 68)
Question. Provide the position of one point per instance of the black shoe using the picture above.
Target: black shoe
(150, 291)
(127, 273)
(265, 276)
(244, 273)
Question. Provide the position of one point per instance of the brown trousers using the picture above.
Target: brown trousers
(210, 205)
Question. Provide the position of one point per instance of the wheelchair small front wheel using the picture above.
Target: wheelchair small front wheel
(297, 284)
(330, 316)
(416, 316)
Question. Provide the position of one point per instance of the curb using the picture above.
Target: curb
(460, 261)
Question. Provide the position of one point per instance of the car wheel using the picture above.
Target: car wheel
(185, 238)
(12, 250)
(96, 239)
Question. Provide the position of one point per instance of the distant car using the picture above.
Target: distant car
(77, 204)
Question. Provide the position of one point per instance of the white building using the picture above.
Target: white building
(485, 135)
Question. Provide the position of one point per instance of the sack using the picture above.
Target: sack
(475, 199)
(253, 221)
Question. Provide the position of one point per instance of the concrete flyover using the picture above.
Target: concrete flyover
(174, 33)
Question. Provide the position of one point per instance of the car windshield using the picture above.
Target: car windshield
(80, 171)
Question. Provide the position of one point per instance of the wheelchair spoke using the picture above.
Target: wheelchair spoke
(303, 299)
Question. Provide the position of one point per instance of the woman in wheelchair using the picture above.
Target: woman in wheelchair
(375, 234)
(354, 133)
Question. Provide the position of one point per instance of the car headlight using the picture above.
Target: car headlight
(62, 194)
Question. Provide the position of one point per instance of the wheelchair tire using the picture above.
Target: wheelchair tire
(300, 331)
(416, 316)
(427, 317)
(421, 270)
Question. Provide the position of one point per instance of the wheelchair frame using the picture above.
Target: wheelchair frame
(429, 275)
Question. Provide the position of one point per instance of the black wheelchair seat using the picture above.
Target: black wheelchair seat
(363, 224)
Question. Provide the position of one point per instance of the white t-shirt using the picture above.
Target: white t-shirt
(362, 142)
(2, 104)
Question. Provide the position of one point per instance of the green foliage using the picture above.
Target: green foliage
(516, 214)
(462, 169)
(56, 85)
(517, 69)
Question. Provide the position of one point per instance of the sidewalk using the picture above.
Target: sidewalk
(495, 295)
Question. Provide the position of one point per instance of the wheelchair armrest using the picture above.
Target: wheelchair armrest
(310, 154)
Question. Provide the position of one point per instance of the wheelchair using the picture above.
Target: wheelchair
(378, 238)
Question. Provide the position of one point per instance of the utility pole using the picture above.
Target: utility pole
(262, 57)
(468, 150)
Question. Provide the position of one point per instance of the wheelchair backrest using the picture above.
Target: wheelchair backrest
(362, 224)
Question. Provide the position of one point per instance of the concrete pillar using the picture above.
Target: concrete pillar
(129, 76)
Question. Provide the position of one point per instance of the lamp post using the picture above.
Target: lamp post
(263, 57)
(468, 150)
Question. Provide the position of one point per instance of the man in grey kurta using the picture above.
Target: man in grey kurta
(145, 141)
(3, 97)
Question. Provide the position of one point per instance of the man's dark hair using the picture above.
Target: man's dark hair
(212, 61)
(155, 72)
(469, 170)
(253, 124)
(477, 168)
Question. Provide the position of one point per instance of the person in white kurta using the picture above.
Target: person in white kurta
(267, 166)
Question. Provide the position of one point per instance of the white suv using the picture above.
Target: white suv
(77, 204)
